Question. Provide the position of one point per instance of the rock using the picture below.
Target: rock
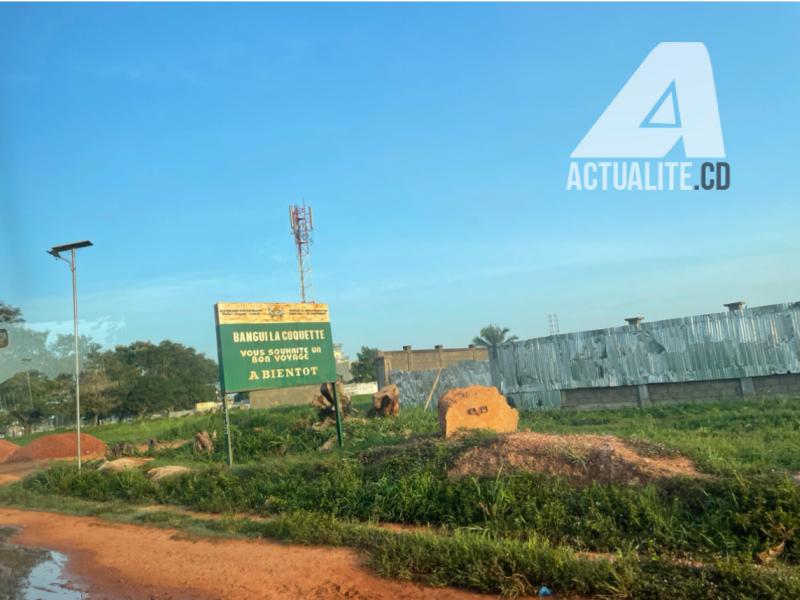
(476, 407)
(386, 401)
(328, 445)
(159, 473)
(203, 443)
(770, 554)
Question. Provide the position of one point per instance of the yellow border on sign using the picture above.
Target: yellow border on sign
(237, 313)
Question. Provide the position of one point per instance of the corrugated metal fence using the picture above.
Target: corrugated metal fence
(416, 386)
(750, 342)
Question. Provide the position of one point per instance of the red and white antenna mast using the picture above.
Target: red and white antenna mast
(302, 220)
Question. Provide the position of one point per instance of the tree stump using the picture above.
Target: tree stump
(122, 449)
(386, 401)
(203, 443)
(324, 401)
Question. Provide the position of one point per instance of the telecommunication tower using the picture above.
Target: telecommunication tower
(302, 220)
(552, 322)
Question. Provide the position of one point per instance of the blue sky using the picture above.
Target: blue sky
(432, 141)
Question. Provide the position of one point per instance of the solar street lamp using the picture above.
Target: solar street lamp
(56, 252)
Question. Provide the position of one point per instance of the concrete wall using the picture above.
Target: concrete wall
(777, 385)
(359, 389)
(436, 358)
(302, 394)
(654, 394)
(714, 356)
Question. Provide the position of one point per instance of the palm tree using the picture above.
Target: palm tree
(493, 335)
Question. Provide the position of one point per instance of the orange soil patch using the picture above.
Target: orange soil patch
(7, 449)
(581, 458)
(58, 445)
(126, 562)
(13, 472)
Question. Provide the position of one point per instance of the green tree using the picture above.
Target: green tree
(99, 397)
(29, 398)
(10, 314)
(149, 394)
(492, 336)
(6, 421)
(143, 378)
(363, 368)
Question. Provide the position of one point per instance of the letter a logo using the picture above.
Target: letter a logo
(670, 97)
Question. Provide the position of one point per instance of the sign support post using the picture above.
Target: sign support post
(227, 427)
(338, 410)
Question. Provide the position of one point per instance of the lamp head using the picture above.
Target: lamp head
(56, 250)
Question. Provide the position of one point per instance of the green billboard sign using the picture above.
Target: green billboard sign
(273, 345)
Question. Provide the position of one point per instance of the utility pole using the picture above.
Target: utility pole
(56, 252)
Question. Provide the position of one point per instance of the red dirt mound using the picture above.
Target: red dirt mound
(581, 458)
(7, 449)
(58, 445)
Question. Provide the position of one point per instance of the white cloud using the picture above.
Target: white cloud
(105, 330)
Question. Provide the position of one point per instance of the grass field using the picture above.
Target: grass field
(698, 538)
(757, 436)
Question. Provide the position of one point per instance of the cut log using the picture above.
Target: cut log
(123, 464)
(159, 473)
(476, 407)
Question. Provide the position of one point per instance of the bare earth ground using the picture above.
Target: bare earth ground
(127, 562)
(582, 458)
(13, 472)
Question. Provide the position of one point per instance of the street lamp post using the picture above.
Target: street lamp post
(56, 252)
(28, 373)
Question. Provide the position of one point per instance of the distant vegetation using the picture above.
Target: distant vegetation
(37, 385)
(10, 314)
(363, 368)
(493, 335)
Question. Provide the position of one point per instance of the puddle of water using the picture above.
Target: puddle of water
(32, 573)
(46, 581)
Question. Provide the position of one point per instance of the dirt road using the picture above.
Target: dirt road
(122, 562)
(13, 472)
